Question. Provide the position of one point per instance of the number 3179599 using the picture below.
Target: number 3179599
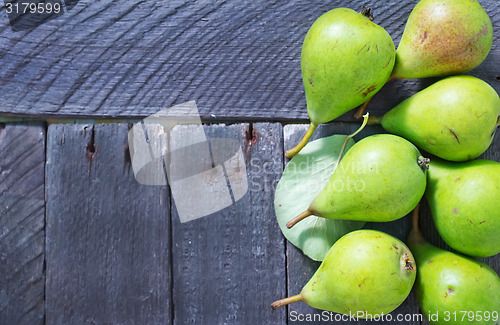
(470, 316)
(33, 8)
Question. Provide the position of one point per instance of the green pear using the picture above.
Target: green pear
(452, 288)
(454, 119)
(346, 59)
(465, 204)
(443, 37)
(379, 179)
(366, 272)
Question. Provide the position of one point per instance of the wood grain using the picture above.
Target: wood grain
(300, 268)
(240, 60)
(110, 250)
(108, 237)
(22, 224)
(230, 266)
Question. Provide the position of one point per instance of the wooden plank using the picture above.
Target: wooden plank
(22, 222)
(230, 266)
(300, 268)
(240, 60)
(108, 237)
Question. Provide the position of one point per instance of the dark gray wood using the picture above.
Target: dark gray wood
(108, 237)
(300, 268)
(230, 266)
(22, 222)
(240, 60)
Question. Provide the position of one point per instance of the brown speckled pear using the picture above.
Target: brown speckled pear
(443, 37)
(454, 118)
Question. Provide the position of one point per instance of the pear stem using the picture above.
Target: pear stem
(423, 163)
(415, 213)
(295, 150)
(367, 12)
(361, 110)
(416, 236)
(283, 302)
(365, 121)
(307, 213)
(373, 120)
(298, 218)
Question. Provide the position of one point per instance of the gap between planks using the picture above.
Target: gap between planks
(286, 244)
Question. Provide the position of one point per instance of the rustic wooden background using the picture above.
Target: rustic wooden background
(81, 242)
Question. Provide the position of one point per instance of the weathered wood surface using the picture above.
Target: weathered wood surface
(115, 256)
(22, 224)
(300, 268)
(108, 237)
(230, 266)
(240, 60)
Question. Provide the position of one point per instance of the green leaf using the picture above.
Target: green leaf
(303, 178)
